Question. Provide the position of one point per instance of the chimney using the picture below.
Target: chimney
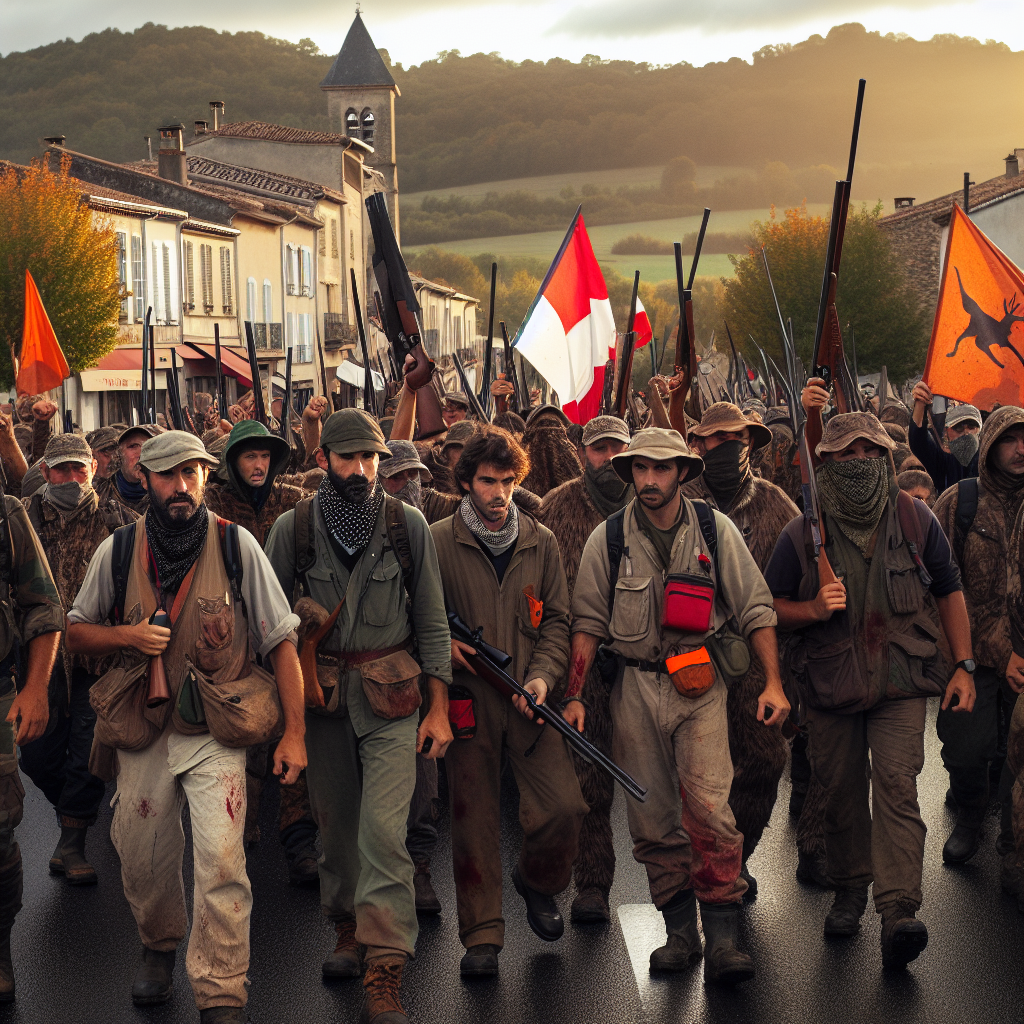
(202, 127)
(1012, 165)
(172, 154)
(903, 202)
(149, 148)
(217, 113)
(58, 140)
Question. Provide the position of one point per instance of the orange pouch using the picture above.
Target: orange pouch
(692, 674)
(688, 603)
(536, 607)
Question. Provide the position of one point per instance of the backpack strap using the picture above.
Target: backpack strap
(120, 566)
(708, 528)
(232, 551)
(615, 537)
(967, 492)
(305, 542)
(398, 535)
(35, 512)
(913, 534)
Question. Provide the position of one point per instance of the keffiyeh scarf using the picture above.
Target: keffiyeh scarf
(496, 541)
(350, 525)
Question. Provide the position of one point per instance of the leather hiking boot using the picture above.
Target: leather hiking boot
(542, 913)
(223, 1015)
(303, 869)
(382, 984)
(847, 910)
(423, 889)
(347, 959)
(751, 894)
(811, 870)
(69, 858)
(590, 906)
(683, 947)
(479, 961)
(724, 962)
(155, 977)
(903, 936)
(963, 842)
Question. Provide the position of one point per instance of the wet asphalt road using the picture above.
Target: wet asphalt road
(76, 950)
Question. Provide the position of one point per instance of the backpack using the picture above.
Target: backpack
(124, 547)
(967, 492)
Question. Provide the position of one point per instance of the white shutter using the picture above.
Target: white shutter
(289, 329)
(170, 306)
(268, 302)
(226, 290)
(139, 276)
(250, 300)
(188, 271)
(156, 286)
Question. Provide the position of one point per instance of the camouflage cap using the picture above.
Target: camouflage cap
(102, 440)
(459, 433)
(959, 413)
(842, 430)
(171, 448)
(601, 427)
(352, 430)
(146, 429)
(63, 448)
(457, 398)
(403, 456)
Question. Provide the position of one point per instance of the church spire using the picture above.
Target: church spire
(358, 63)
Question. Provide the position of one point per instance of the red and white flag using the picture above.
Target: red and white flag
(569, 328)
(642, 326)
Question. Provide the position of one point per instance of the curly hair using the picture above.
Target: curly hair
(494, 447)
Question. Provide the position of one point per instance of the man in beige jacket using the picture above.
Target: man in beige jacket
(669, 704)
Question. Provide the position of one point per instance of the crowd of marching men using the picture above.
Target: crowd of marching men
(702, 616)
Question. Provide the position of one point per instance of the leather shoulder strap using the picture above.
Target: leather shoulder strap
(967, 492)
(615, 538)
(398, 535)
(120, 566)
(305, 541)
(913, 534)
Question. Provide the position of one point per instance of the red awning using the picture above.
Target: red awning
(231, 364)
(131, 359)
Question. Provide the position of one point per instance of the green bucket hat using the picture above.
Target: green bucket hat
(248, 434)
(352, 430)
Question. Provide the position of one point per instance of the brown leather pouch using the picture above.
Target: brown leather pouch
(243, 712)
(119, 699)
(692, 674)
(392, 685)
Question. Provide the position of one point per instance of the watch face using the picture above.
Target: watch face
(969, 665)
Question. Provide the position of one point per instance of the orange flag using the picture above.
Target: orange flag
(976, 353)
(42, 365)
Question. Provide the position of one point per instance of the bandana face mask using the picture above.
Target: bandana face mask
(965, 447)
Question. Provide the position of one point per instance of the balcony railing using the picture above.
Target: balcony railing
(268, 337)
(338, 332)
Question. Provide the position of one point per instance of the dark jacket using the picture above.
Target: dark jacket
(942, 467)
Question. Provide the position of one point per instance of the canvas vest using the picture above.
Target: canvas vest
(208, 627)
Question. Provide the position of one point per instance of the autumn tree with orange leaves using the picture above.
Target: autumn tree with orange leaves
(47, 229)
(876, 302)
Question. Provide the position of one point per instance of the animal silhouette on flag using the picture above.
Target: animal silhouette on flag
(976, 353)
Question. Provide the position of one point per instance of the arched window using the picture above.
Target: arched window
(368, 124)
(352, 124)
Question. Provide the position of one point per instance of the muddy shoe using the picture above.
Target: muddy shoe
(223, 1015)
(479, 961)
(847, 910)
(303, 868)
(683, 948)
(590, 906)
(154, 979)
(347, 959)
(382, 984)
(69, 858)
(724, 962)
(811, 870)
(542, 913)
(963, 842)
(903, 936)
(423, 889)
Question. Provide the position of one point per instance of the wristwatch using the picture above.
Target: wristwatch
(968, 665)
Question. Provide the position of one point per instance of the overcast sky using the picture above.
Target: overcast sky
(659, 31)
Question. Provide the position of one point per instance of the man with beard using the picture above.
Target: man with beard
(724, 439)
(962, 425)
(553, 458)
(865, 656)
(669, 701)
(502, 574)
(70, 524)
(124, 486)
(364, 564)
(186, 749)
(245, 489)
(572, 512)
(981, 549)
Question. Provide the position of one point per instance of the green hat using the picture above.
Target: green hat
(171, 448)
(248, 434)
(352, 430)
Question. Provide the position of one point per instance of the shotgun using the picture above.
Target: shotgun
(323, 371)
(485, 390)
(286, 406)
(143, 395)
(222, 399)
(369, 392)
(510, 370)
(258, 408)
(474, 402)
(173, 403)
(628, 344)
(685, 401)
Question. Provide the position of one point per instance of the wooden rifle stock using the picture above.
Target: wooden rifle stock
(628, 345)
(485, 390)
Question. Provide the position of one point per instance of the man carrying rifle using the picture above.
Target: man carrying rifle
(502, 574)
(663, 589)
(366, 572)
(865, 614)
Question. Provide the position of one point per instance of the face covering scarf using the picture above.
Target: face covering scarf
(175, 545)
(497, 541)
(964, 448)
(128, 490)
(726, 469)
(412, 492)
(607, 490)
(855, 494)
(350, 522)
(68, 498)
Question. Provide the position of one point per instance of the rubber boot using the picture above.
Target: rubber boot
(964, 840)
(903, 936)
(382, 985)
(154, 980)
(847, 910)
(724, 962)
(751, 894)
(10, 904)
(303, 867)
(683, 947)
(811, 869)
(69, 857)
(347, 959)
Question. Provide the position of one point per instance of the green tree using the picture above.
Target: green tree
(875, 301)
(46, 229)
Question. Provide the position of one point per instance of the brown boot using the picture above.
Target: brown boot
(10, 904)
(347, 959)
(382, 983)
(69, 857)
(903, 936)
(423, 889)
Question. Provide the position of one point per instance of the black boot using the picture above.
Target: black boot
(751, 894)
(10, 904)
(903, 936)
(542, 913)
(724, 962)
(423, 889)
(847, 910)
(811, 870)
(155, 977)
(590, 906)
(479, 961)
(684, 946)
(223, 1015)
(303, 866)
(69, 857)
(964, 840)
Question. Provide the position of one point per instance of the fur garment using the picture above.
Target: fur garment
(553, 459)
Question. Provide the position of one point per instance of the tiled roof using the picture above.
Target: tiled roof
(280, 185)
(276, 133)
(96, 194)
(983, 192)
(358, 62)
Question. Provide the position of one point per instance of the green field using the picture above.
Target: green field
(544, 244)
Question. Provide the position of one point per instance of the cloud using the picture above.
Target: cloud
(647, 17)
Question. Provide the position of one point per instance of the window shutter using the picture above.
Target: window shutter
(168, 292)
(190, 279)
(206, 270)
(138, 277)
(158, 310)
(351, 245)
(268, 302)
(289, 329)
(225, 279)
(307, 270)
(334, 239)
(322, 242)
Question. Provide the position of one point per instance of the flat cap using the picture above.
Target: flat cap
(959, 413)
(146, 429)
(67, 448)
(456, 398)
(352, 430)
(661, 445)
(459, 433)
(842, 430)
(726, 416)
(403, 456)
(103, 439)
(171, 448)
(601, 427)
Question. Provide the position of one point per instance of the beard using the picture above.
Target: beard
(354, 489)
(495, 514)
(655, 498)
(177, 510)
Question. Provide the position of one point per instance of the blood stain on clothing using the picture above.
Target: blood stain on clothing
(467, 873)
(145, 808)
(227, 804)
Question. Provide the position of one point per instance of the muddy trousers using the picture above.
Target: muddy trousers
(360, 789)
(684, 834)
(152, 788)
(873, 830)
(551, 808)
